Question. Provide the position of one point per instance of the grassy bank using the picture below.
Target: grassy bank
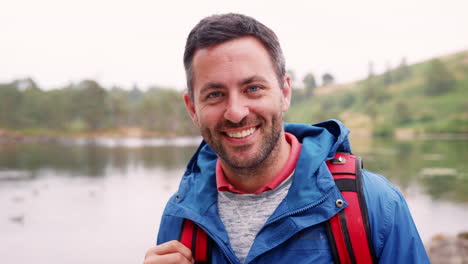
(425, 98)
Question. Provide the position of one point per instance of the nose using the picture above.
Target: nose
(236, 109)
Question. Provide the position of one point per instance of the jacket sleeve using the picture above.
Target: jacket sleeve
(169, 229)
(394, 234)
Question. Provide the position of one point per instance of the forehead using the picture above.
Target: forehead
(230, 60)
(237, 45)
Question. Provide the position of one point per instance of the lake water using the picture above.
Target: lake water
(101, 202)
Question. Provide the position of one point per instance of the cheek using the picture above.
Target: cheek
(267, 108)
(208, 117)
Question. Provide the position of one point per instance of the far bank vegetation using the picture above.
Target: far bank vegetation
(425, 98)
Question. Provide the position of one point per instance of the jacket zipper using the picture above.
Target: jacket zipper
(300, 210)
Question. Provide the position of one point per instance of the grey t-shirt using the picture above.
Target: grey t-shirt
(244, 215)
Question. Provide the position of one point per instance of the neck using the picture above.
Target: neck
(249, 180)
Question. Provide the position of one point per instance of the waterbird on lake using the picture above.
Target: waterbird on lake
(19, 219)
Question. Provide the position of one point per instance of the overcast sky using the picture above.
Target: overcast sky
(141, 42)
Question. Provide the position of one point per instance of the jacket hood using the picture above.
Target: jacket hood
(320, 131)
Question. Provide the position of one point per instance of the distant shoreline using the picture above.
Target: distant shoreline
(10, 136)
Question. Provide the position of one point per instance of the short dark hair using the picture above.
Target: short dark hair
(217, 29)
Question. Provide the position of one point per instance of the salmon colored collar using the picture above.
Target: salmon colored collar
(224, 185)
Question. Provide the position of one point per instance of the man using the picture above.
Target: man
(257, 186)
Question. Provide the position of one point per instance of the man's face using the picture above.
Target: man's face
(237, 102)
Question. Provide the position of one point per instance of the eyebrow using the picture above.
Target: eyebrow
(254, 78)
(211, 86)
(245, 81)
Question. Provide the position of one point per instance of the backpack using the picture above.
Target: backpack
(348, 231)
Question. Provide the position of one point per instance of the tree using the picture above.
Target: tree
(373, 96)
(403, 72)
(309, 84)
(31, 111)
(135, 96)
(438, 79)
(119, 107)
(402, 114)
(26, 83)
(387, 76)
(93, 107)
(327, 79)
(371, 72)
(10, 99)
(162, 110)
(63, 107)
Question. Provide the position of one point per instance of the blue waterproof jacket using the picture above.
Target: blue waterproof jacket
(295, 232)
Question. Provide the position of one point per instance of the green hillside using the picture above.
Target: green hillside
(430, 97)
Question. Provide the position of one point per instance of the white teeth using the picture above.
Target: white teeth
(241, 134)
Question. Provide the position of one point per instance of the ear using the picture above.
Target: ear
(286, 92)
(191, 108)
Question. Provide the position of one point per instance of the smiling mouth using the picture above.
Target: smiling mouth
(241, 134)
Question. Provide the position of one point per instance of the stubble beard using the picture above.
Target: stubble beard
(268, 149)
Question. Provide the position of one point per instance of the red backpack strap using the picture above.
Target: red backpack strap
(197, 240)
(349, 230)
